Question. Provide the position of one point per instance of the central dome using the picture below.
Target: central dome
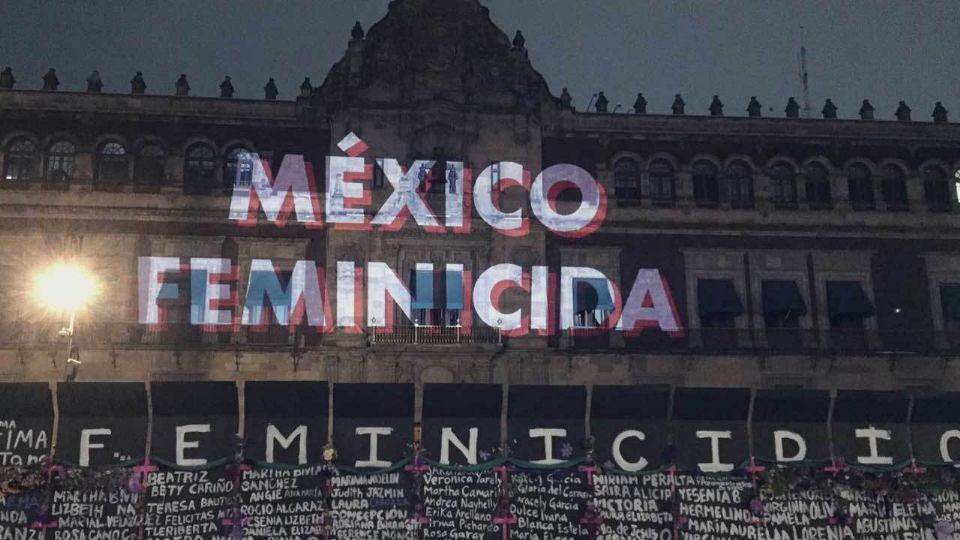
(434, 50)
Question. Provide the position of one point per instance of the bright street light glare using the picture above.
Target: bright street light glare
(64, 287)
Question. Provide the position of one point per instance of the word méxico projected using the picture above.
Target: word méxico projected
(588, 299)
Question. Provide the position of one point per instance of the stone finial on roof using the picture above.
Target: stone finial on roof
(306, 88)
(754, 108)
(793, 108)
(939, 112)
(678, 105)
(50, 80)
(903, 112)
(640, 105)
(270, 91)
(7, 79)
(829, 109)
(357, 31)
(137, 85)
(602, 103)
(94, 84)
(866, 110)
(566, 100)
(518, 40)
(182, 86)
(716, 106)
(226, 88)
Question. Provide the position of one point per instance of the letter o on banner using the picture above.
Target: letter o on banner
(593, 200)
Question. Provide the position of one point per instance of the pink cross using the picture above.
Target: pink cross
(836, 466)
(504, 471)
(914, 469)
(54, 470)
(505, 522)
(232, 520)
(417, 467)
(419, 519)
(753, 470)
(678, 520)
(141, 472)
(44, 525)
(236, 470)
(145, 468)
(590, 470)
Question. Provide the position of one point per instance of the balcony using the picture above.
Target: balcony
(436, 335)
(701, 341)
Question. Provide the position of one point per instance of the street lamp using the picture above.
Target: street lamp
(66, 287)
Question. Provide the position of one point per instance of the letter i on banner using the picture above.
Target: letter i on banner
(349, 297)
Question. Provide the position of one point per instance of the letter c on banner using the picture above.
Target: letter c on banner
(593, 200)
(945, 444)
(618, 458)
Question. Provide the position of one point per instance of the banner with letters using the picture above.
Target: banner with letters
(172, 460)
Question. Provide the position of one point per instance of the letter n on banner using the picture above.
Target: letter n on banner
(372, 423)
(545, 424)
(461, 422)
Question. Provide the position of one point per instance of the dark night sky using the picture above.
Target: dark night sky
(884, 51)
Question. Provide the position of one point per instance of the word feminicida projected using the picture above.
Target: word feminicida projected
(303, 297)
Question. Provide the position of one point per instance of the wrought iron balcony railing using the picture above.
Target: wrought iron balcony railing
(704, 341)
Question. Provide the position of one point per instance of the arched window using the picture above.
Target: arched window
(112, 163)
(626, 180)
(662, 191)
(817, 185)
(60, 158)
(860, 187)
(894, 188)
(956, 183)
(148, 169)
(706, 185)
(740, 185)
(935, 189)
(784, 178)
(238, 167)
(199, 170)
(21, 161)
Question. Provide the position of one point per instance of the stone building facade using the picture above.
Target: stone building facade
(821, 253)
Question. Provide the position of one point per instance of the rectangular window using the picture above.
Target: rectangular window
(378, 175)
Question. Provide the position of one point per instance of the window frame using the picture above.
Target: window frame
(25, 163)
(60, 161)
(113, 167)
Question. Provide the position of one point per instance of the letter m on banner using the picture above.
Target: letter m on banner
(292, 189)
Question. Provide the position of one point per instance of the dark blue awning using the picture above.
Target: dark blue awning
(453, 286)
(591, 294)
(718, 297)
(782, 297)
(950, 301)
(846, 298)
(421, 289)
